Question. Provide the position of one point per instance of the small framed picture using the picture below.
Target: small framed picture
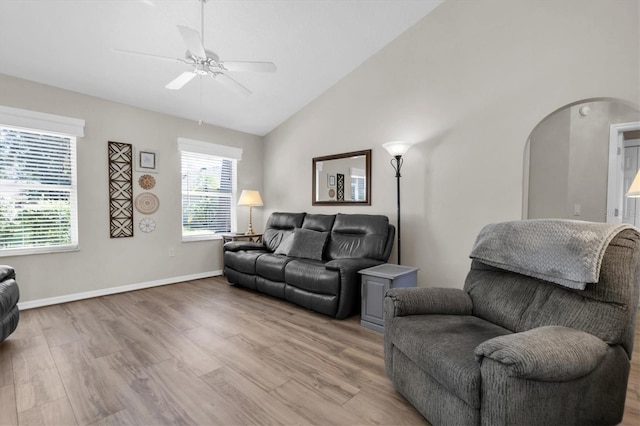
(147, 160)
(331, 180)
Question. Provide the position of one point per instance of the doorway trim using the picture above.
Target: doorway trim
(615, 178)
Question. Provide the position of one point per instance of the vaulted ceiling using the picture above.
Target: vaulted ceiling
(314, 43)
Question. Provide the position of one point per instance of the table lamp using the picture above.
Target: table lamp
(250, 198)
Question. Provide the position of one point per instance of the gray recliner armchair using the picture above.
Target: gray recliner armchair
(541, 333)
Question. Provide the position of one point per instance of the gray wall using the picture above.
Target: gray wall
(103, 262)
(569, 160)
(468, 84)
(549, 155)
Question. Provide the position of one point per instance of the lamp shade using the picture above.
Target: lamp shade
(250, 198)
(397, 147)
(634, 189)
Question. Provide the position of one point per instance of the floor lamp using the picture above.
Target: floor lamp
(250, 198)
(397, 149)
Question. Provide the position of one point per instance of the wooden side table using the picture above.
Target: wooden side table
(238, 236)
(375, 283)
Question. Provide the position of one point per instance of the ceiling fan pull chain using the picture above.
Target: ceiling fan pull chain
(200, 121)
(202, 20)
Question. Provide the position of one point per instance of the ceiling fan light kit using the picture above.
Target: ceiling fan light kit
(206, 62)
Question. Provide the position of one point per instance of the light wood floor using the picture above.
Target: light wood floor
(202, 352)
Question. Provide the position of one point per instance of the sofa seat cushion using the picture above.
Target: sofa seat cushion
(242, 261)
(443, 345)
(311, 275)
(271, 266)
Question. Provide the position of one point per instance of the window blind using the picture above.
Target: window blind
(38, 208)
(207, 190)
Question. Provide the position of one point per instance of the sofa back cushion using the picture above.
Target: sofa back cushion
(280, 225)
(605, 309)
(319, 222)
(360, 236)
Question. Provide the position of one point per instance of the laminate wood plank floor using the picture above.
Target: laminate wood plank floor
(203, 352)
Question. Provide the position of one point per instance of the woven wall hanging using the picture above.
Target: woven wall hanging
(147, 203)
(146, 181)
(120, 190)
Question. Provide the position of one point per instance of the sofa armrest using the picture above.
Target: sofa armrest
(550, 353)
(351, 265)
(6, 272)
(243, 245)
(400, 302)
(349, 300)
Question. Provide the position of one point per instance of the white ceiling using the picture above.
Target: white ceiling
(314, 43)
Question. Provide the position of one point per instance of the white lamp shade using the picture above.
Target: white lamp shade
(634, 189)
(250, 198)
(397, 147)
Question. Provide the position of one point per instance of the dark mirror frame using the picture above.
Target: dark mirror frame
(367, 158)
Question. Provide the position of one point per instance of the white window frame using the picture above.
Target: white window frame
(222, 151)
(48, 124)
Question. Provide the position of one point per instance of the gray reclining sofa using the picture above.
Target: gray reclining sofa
(312, 259)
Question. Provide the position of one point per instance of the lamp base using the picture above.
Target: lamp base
(250, 229)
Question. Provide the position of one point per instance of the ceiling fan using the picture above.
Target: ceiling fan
(205, 62)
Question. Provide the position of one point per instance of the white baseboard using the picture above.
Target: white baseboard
(113, 290)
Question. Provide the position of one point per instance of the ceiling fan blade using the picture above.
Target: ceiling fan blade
(130, 52)
(181, 80)
(231, 84)
(252, 66)
(192, 40)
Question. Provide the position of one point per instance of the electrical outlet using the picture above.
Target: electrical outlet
(576, 209)
(172, 252)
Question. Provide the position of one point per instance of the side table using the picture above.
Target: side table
(238, 236)
(375, 283)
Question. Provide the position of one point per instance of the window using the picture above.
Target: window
(208, 188)
(37, 191)
(38, 208)
(358, 184)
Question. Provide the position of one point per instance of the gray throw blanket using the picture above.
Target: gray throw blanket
(565, 252)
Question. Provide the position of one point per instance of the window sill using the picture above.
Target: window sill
(195, 239)
(32, 251)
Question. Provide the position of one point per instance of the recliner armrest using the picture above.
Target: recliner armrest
(550, 353)
(400, 302)
(243, 245)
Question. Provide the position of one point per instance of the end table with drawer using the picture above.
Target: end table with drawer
(375, 283)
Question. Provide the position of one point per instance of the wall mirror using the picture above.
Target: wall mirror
(342, 179)
(571, 166)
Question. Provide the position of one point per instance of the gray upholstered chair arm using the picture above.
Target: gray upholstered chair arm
(424, 301)
(243, 245)
(551, 353)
